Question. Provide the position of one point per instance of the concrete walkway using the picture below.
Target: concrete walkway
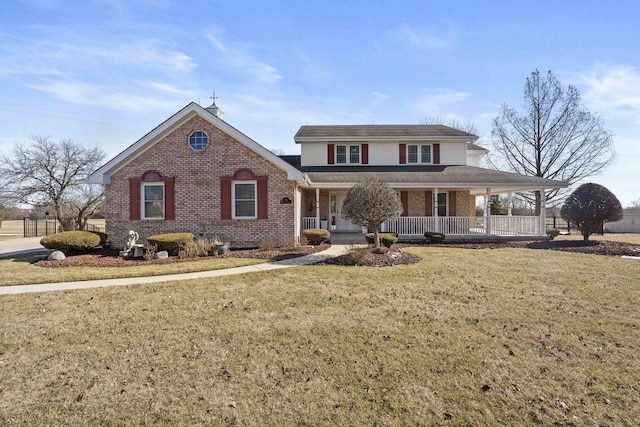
(333, 251)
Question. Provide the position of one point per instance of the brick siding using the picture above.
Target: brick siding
(197, 190)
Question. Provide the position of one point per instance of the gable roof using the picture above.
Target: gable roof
(104, 173)
(380, 133)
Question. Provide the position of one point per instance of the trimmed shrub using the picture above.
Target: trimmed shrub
(434, 237)
(71, 242)
(170, 242)
(387, 239)
(316, 236)
(103, 236)
(199, 248)
(553, 233)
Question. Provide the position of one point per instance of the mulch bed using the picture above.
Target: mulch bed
(111, 258)
(366, 257)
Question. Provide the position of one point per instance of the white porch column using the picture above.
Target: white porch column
(487, 210)
(543, 213)
(317, 208)
(297, 215)
(436, 219)
(509, 203)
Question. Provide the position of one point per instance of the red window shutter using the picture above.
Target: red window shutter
(452, 203)
(436, 154)
(225, 197)
(134, 198)
(365, 154)
(404, 198)
(330, 154)
(263, 199)
(403, 154)
(170, 198)
(428, 203)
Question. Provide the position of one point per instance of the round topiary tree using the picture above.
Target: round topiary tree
(589, 206)
(369, 203)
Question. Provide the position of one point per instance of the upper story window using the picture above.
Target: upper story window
(153, 200)
(348, 154)
(419, 153)
(198, 140)
(244, 200)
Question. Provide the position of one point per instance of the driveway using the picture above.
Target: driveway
(20, 245)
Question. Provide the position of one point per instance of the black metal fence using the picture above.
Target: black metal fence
(558, 223)
(34, 227)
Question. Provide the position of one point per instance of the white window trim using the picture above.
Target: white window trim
(233, 199)
(143, 211)
(189, 141)
(348, 154)
(419, 154)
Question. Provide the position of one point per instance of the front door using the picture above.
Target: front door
(336, 221)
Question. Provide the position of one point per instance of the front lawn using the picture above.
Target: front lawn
(464, 337)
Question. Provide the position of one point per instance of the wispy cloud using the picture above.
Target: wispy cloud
(144, 53)
(435, 39)
(613, 91)
(239, 58)
(439, 102)
(97, 95)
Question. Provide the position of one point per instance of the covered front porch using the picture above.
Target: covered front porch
(447, 211)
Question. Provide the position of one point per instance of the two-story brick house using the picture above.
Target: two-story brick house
(196, 173)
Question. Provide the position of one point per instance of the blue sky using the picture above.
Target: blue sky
(107, 72)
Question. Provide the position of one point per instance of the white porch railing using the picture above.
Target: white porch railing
(408, 225)
(464, 225)
(308, 222)
(515, 225)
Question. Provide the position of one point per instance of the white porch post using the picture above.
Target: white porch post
(487, 210)
(317, 208)
(543, 213)
(436, 219)
(509, 203)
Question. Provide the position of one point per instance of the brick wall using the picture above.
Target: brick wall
(197, 190)
(463, 204)
(416, 199)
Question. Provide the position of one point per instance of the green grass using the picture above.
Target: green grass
(614, 237)
(18, 270)
(483, 337)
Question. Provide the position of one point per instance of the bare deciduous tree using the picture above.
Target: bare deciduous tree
(42, 172)
(369, 203)
(589, 207)
(555, 137)
(462, 125)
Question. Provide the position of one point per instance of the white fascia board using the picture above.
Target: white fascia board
(103, 174)
(325, 139)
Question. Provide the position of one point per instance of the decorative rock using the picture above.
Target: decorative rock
(161, 255)
(56, 256)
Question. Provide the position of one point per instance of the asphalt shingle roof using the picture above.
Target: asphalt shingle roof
(380, 131)
(431, 174)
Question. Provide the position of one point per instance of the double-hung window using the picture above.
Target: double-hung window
(419, 154)
(348, 154)
(244, 200)
(153, 200)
